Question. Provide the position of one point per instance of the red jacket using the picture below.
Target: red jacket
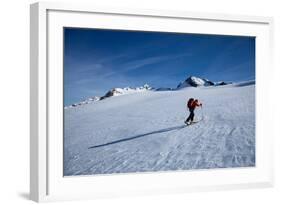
(195, 104)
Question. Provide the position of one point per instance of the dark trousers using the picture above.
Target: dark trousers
(191, 115)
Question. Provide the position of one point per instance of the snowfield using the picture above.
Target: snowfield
(145, 131)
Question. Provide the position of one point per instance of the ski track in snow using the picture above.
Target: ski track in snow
(145, 132)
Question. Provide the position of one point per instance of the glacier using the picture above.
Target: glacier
(145, 131)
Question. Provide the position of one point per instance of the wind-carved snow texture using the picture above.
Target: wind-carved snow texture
(144, 131)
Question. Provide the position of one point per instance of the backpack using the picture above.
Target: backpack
(189, 103)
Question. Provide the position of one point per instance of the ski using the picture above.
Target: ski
(191, 123)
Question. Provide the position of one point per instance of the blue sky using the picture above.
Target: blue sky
(97, 60)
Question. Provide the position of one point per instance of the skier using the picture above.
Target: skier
(191, 105)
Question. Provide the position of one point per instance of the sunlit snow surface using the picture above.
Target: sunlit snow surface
(144, 131)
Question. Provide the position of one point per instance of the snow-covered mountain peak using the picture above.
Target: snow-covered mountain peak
(126, 90)
(111, 93)
(193, 81)
(196, 81)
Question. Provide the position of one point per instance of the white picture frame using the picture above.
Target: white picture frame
(46, 179)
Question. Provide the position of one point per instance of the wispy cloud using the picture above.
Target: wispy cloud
(139, 63)
(105, 68)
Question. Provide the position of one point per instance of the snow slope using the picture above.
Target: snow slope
(144, 131)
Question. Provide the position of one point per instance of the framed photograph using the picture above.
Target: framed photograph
(130, 102)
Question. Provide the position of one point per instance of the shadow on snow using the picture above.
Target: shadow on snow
(138, 136)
